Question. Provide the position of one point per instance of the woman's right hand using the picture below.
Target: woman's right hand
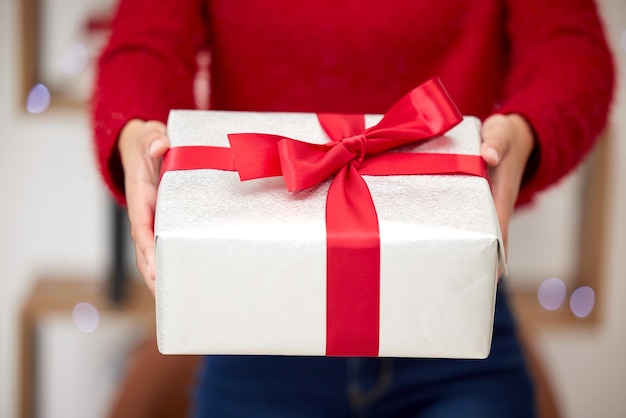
(141, 145)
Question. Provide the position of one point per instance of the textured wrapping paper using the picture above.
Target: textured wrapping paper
(241, 266)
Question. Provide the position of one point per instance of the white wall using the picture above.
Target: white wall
(53, 217)
(590, 366)
(53, 210)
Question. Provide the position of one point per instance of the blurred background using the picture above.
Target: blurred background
(67, 336)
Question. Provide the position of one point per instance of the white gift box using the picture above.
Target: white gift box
(241, 266)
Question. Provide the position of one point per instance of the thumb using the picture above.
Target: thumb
(495, 132)
(158, 145)
(156, 139)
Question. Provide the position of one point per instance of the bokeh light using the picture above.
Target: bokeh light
(582, 300)
(86, 317)
(75, 59)
(38, 99)
(551, 293)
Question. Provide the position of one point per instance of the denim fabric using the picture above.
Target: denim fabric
(299, 387)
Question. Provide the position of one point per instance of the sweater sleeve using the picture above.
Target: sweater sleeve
(561, 81)
(146, 69)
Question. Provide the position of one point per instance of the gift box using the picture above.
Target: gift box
(248, 267)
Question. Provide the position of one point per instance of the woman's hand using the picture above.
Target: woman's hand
(141, 146)
(507, 144)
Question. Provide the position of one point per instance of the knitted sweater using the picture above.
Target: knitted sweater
(546, 60)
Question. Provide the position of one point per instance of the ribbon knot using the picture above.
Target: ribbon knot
(356, 144)
(305, 165)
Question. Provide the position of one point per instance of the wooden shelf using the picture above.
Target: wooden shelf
(52, 295)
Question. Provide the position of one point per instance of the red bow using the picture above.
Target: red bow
(425, 112)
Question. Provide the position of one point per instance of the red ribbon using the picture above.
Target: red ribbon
(353, 240)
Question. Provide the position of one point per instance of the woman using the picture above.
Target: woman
(537, 72)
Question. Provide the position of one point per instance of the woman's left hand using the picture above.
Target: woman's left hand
(507, 142)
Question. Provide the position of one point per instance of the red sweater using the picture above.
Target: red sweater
(544, 59)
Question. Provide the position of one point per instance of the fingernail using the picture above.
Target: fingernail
(492, 154)
(156, 144)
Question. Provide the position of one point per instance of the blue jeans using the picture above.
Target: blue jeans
(298, 387)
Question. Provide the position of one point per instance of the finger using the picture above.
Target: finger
(144, 269)
(158, 146)
(141, 204)
(495, 133)
(504, 193)
(154, 138)
(144, 252)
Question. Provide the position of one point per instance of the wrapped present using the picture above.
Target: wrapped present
(350, 236)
